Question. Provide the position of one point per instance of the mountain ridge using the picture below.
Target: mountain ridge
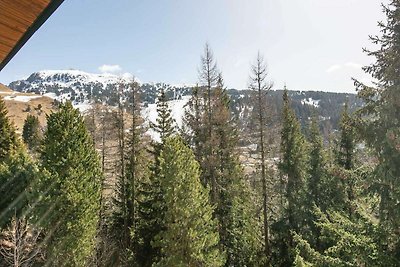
(83, 88)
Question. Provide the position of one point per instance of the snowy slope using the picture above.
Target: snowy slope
(83, 88)
(21, 98)
(177, 107)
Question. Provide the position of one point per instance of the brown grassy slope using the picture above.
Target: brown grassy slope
(18, 110)
(5, 89)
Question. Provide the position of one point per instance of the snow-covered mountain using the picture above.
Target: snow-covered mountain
(83, 88)
(79, 86)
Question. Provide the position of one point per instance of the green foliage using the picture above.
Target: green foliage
(316, 166)
(292, 167)
(240, 232)
(121, 200)
(379, 123)
(31, 132)
(191, 236)
(131, 171)
(212, 132)
(8, 138)
(292, 164)
(17, 177)
(69, 198)
(241, 237)
(171, 210)
(151, 210)
(355, 241)
(151, 206)
(192, 130)
(164, 125)
(345, 150)
(304, 250)
(345, 167)
(299, 262)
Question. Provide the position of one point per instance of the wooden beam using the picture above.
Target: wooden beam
(19, 20)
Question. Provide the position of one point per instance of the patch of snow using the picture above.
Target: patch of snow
(51, 77)
(51, 95)
(324, 118)
(21, 98)
(310, 102)
(83, 107)
(150, 113)
(177, 111)
(183, 85)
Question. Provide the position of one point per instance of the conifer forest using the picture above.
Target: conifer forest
(95, 189)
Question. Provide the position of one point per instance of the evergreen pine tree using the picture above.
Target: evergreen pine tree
(97, 120)
(293, 167)
(31, 132)
(345, 152)
(151, 196)
(327, 187)
(18, 174)
(346, 159)
(349, 242)
(191, 236)
(131, 171)
(136, 166)
(164, 125)
(316, 180)
(211, 130)
(121, 228)
(193, 127)
(316, 166)
(292, 163)
(8, 137)
(69, 196)
(241, 235)
(379, 121)
(235, 210)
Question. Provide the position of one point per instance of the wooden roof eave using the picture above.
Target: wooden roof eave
(44, 15)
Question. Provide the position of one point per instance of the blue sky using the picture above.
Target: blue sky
(308, 44)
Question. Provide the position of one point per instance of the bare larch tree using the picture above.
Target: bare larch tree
(260, 85)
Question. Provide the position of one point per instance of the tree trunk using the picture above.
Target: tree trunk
(264, 179)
